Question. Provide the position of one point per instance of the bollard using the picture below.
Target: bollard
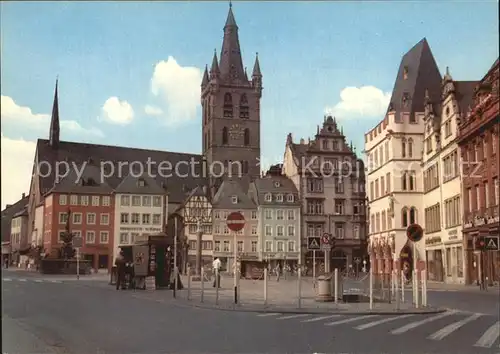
(189, 284)
(217, 285)
(202, 283)
(424, 289)
(265, 286)
(175, 283)
(336, 285)
(371, 290)
(396, 281)
(415, 273)
(299, 287)
(393, 283)
(402, 287)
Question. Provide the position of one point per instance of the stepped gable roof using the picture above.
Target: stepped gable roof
(7, 215)
(232, 187)
(178, 185)
(275, 184)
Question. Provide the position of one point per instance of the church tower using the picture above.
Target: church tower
(231, 109)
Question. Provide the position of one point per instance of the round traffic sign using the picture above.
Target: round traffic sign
(235, 221)
(325, 239)
(414, 232)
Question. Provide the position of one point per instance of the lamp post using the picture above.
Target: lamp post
(199, 234)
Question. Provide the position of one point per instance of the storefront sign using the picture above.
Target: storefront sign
(140, 229)
(433, 240)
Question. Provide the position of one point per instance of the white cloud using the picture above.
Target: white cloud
(17, 166)
(24, 117)
(153, 111)
(180, 88)
(117, 112)
(360, 102)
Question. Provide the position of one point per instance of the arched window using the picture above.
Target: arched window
(404, 217)
(403, 147)
(228, 106)
(413, 215)
(404, 181)
(244, 111)
(410, 147)
(247, 137)
(412, 181)
(224, 136)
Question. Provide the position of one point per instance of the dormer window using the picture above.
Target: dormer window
(234, 199)
(279, 198)
(141, 182)
(277, 184)
(289, 198)
(268, 197)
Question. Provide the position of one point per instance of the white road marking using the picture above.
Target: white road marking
(351, 319)
(293, 316)
(376, 323)
(416, 324)
(489, 337)
(6, 279)
(38, 281)
(55, 281)
(268, 314)
(320, 318)
(445, 331)
(22, 279)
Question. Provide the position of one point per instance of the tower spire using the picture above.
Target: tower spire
(256, 67)
(55, 130)
(214, 70)
(205, 79)
(231, 63)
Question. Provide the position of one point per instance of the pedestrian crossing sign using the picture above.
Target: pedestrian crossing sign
(492, 243)
(313, 243)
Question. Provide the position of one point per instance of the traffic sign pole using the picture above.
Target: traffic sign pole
(78, 263)
(235, 222)
(314, 268)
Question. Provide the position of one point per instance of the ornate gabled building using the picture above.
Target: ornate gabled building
(478, 138)
(231, 111)
(330, 180)
(394, 154)
(442, 217)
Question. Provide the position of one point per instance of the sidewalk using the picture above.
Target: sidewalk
(282, 297)
(63, 277)
(431, 285)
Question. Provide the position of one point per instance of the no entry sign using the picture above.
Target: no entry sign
(235, 221)
(414, 232)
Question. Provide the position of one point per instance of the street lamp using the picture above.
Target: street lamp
(199, 213)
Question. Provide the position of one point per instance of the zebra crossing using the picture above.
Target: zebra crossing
(457, 322)
(31, 280)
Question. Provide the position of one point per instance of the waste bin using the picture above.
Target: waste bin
(324, 292)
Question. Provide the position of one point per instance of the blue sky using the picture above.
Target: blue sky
(309, 52)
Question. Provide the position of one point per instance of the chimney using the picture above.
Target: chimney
(302, 141)
(24, 195)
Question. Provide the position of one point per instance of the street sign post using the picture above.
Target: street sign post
(313, 243)
(325, 242)
(235, 222)
(77, 243)
(414, 232)
(492, 243)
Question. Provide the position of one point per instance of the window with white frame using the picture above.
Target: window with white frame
(254, 230)
(356, 231)
(269, 230)
(290, 198)
(279, 198)
(240, 246)
(95, 201)
(268, 214)
(226, 230)
(217, 229)
(146, 201)
(61, 235)
(254, 246)
(193, 228)
(73, 199)
(291, 231)
(291, 214)
(136, 200)
(104, 219)
(106, 200)
(254, 215)
(227, 246)
(77, 218)
(234, 199)
(124, 218)
(76, 233)
(146, 219)
(156, 219)
(91, 219)
(224, 215)
(495, 186)
(217, 246)
(269, 246)
(268, 197)
(63, 199)
(217, 215)
(125, 200)
(90, 237)
(279, 215)
(136, 218)
(291, 246)
(103, 237)
(124, 238)
(84, 200)
(279, 246)
(280, 231)
(339, 230)
(157, 201)
(134, 237)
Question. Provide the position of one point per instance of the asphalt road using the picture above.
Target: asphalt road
(44, 316)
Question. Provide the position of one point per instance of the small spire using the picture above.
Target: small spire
(205, 80)
(342, 130)
(246, 75)
(230, 21)
(214, 70)
(256, 67)
(447, 76)
(55, 129)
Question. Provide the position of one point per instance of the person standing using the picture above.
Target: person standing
(120, 271)
(216, 264)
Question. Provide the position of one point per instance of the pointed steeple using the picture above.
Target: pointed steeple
(447, 76)
(214, 70)
(256, 67)
(205, 80)
(231, 63)
(246, 75)
(55, 129)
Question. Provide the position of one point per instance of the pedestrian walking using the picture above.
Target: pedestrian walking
(277, 270)
(216, 264)
(120, 271)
